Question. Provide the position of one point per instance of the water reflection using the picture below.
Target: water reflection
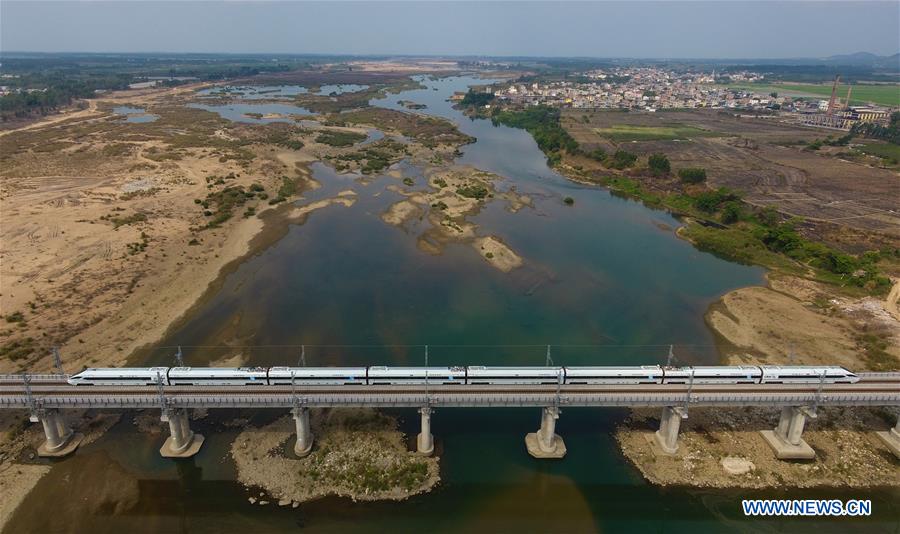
(256, 113)
(135, 114)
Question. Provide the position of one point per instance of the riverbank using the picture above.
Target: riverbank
(358, 453)
(791, 321)
(722, 448)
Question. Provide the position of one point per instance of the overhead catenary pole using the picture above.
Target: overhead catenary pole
(57, 361)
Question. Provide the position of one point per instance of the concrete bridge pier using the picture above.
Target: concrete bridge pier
(182, 442)
(545, 443)
(425, 441)
(60, 438)
(786, 440)
(304, 443)
(891, 438)
(669, 425)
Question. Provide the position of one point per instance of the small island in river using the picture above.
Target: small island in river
(358, 453)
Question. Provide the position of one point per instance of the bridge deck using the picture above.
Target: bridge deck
(51, 391)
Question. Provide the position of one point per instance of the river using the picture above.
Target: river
(605, 281)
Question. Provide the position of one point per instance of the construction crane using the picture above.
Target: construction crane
(831, 106)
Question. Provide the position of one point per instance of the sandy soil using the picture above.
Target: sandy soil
(448, 212)
(103, 246)
(753, 320)
(892, 302)
(357, 453)
(497, 253)
(723, 448)
(792, 321)
(804, 322)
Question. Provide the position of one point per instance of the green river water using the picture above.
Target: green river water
(605, 282)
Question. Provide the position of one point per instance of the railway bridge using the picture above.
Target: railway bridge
(47, 396)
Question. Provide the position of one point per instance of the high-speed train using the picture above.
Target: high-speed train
(472, 375)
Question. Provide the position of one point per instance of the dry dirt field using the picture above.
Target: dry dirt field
(112, 230)
(765, 160)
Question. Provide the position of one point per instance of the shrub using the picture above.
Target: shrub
(476, 191)
(692, 175)
(569, 200)
(598, 154)
(659, 164)
(622, 159)
(731, 212)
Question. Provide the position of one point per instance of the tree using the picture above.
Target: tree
(598, 154)
(731, 212)
(692, 175)
(659, 164)
(622, 159)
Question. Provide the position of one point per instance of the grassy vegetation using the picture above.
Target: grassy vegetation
(692, 175)
(623, 133)
(726, 227)
(886, 151)
(138, 246)
(542, 122)
(287, 189)
(18, 349)
(284, 139)
(319, 103)
(15, 317)
(886, 95)
(124, 221)
(373, 158)
(430, 131)
(340, 139)
(224, 202)
(875, 352)
(476, 191)
(621, 159)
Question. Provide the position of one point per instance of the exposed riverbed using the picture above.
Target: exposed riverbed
(606, 281)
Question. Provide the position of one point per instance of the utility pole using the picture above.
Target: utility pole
(427, 396)
(179, 358)
(159, 390)
(687, 401)
(815, 405)
(57, 361)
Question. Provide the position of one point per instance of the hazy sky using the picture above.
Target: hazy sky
(668, 29)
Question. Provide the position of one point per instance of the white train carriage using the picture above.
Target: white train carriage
(644, 374)
(218, 376)
(117, 376)
(478, 375)
(795, 374)
(416, 375)
(737, 374)
(318, 376)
